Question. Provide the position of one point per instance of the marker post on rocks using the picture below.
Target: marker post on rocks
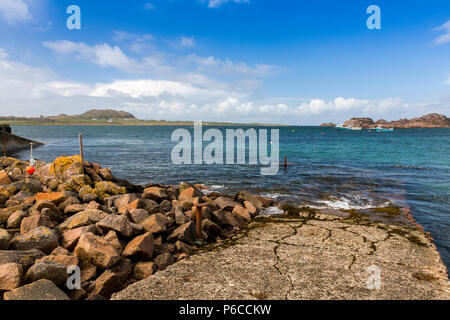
(80, 138)
(285, 163)
(4, 147)
(198, 221)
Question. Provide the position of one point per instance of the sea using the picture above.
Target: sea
(409, 168)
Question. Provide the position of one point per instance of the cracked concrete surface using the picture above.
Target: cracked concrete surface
(311, 257)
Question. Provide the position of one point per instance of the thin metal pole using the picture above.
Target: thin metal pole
(31, 150)
(198, 222)
(80, 137)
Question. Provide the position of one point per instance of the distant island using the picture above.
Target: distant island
(432, 120)
(104, 117)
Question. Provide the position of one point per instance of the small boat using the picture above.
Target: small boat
(347, 128)
(381, 129)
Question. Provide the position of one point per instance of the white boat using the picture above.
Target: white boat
(381, 129)
(347, 128)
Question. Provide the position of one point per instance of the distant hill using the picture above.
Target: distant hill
(432, 120)
(93, 114)
(105, 117)
(106, 114)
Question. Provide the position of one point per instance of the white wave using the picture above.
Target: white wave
(212, 188)
(271, 211)
(342, 203)
(272, 195)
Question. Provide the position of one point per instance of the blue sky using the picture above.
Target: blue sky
(296, 62)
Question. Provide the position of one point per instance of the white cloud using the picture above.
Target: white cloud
(156, 62)
(444, 38)
(218, 3)
(186, 42)
(149, 6)
(14, 11)
(230, 67)
(32, 91)
(137, 43)
(101, 54)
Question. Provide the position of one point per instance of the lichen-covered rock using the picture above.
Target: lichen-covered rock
(74, 183)
(225, 203)
(66, 260)
(5, 237)
(164, 260)
(183, 247)
(211, 228)
(10, 190)
(144, 270)
(189, 193)
(10, 276)
(180, 217)
(242, 212)
(106, 174)
(94, 249)
(141, 247)
(88, 271)
(32, 222)
(26, 257)
(74, 208)
(83, 218)
(4, 178)
(60, 250)
(117, 223)
(185, 233)
(138, 215)
(70, 238)
(250, 207)
(15, 219)
(64, 166)
(55, 197)
(155, 223)
(31, 185)
(40, 290)
(42, 238)
(46, 269)
(105, 189)
(107, 284)
(247, 196)
(155, 193)
(22, 196)
(123, 269)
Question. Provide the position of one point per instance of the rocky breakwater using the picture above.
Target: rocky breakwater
(432, 120)
(77, 216)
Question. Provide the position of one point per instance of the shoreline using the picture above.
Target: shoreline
(123, 235)
(208, 124)
(147, 124)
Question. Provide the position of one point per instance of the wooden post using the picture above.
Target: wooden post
(4, 146)
(80, 137)
(198, 222)
(285, 163)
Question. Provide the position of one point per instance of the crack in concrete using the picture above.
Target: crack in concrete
(275, 251)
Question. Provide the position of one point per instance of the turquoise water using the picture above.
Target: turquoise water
(356, 169)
